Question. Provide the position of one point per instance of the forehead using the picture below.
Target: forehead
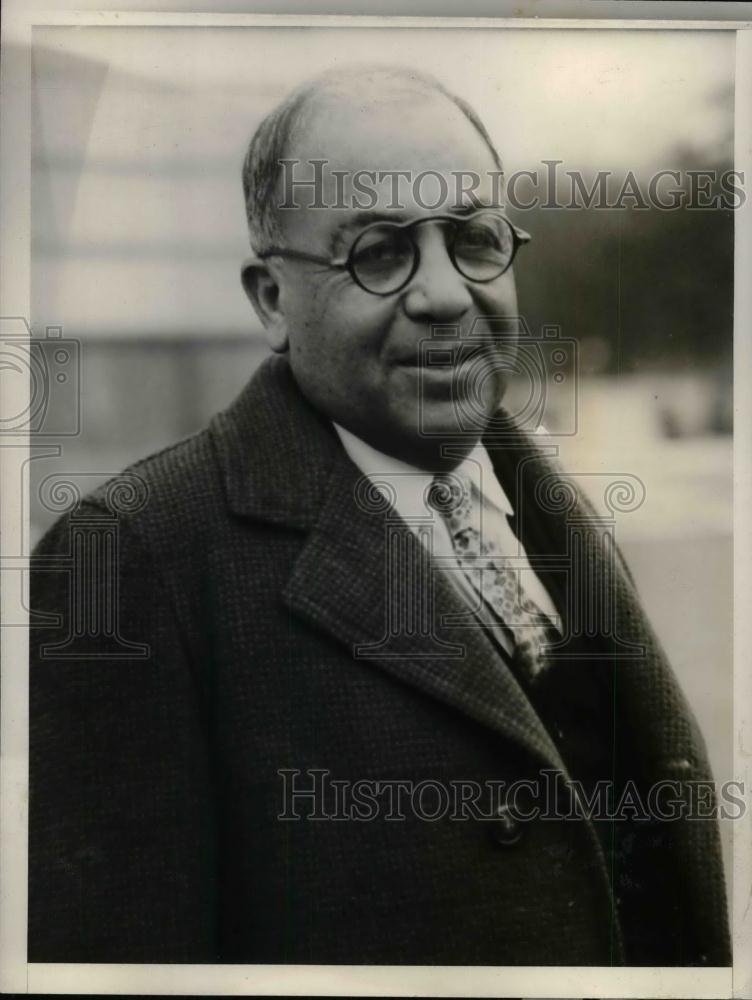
(374, 132)
(358, 138)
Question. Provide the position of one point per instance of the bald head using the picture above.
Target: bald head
(283, 129)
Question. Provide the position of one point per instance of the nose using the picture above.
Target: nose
(438, 293)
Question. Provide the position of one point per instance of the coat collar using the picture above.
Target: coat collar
(282, 463)
(275, 451)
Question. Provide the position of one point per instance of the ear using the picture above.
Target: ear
(262, 288)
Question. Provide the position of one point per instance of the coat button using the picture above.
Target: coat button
(681, 764)
(505, 829)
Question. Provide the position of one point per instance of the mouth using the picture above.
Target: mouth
(445, 358)
(472, 375)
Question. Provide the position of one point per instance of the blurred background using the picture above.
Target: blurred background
(139, 231)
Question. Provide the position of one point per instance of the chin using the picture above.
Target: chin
(422, 440)
(477, 396)
(436, 455)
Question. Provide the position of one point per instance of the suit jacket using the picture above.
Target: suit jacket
(219, 615)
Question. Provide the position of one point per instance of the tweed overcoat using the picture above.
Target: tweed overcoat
(230, 641)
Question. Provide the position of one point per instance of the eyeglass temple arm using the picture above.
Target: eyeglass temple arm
(300, 255)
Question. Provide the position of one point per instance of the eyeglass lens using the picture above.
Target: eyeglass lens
(383, 257)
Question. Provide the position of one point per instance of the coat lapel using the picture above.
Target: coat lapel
(360, 569)
(647, 693)
(365, 578)
(361, 575)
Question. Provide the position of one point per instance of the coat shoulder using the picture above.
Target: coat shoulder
(176, 486)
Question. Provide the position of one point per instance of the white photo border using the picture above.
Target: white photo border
(16, 974)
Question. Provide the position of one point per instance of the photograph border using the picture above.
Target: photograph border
(16, 974)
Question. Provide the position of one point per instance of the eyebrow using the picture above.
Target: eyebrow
(359, 221)
(365, 218)
(469, 208)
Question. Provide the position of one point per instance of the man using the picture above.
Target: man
(356, 590)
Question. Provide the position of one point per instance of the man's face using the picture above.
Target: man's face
(357, 356)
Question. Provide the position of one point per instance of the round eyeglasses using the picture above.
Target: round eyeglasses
(385, 256)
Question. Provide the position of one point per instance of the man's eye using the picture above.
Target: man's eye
(378, 252)
(479, 238)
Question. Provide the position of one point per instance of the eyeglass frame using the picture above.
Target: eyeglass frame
(519, 237)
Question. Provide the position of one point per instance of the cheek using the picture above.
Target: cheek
(333, 300)
(353, 325)
(309, 313)
(499, 298)
(336, 345)
(338, 337)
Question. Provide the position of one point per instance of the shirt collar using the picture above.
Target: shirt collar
(408, 484)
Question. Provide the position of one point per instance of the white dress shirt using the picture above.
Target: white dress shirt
(406, 487)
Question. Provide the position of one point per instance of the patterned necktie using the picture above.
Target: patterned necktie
(455, 497)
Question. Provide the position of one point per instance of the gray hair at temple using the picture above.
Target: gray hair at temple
(272, 139)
